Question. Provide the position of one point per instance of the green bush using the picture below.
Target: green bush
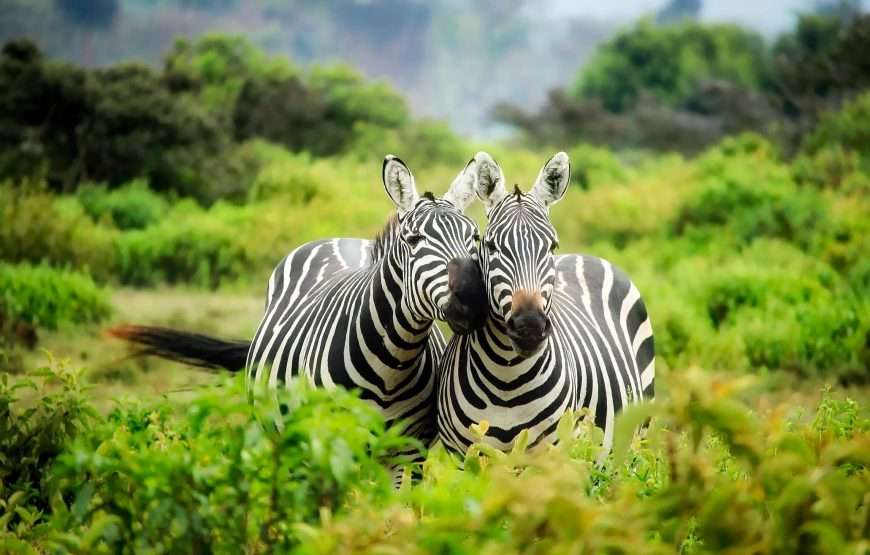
(711, 476)
(37, 227)
(193, 246)
(39, 416)
(291, 178)
(47, 297)
(847, 129)
(130, 206)
(423, 143)
(669, 62)
(747, 190)
(829, 167)
(708, 475)
(594, 165)
(787, 311)
(215, 480)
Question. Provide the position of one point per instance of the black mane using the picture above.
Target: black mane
(383, 239)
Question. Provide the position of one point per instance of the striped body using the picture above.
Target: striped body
(360, 314)
(563, 332)
(600, 355)
(328, 316)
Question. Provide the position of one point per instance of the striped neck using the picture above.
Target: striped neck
(494, 344)
(400, 336)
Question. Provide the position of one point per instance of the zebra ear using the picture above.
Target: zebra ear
(462, 190)
(490, 180)
(553, 180)
(399, 184)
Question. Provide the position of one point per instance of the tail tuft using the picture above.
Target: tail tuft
(182, 346)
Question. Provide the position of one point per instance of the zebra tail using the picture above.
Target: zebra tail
(182, 346)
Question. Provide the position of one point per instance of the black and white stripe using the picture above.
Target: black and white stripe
(564, 332)
(359, 314)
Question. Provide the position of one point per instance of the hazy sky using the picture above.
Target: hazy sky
(767, 16)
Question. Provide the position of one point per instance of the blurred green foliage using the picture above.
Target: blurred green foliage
(670, 61)
(47, 297)
(840, 144)
(745, 264)
(130, 206)
(710, 474)
(684, 86)
(182, 128)
(41, 227)
(752, 257)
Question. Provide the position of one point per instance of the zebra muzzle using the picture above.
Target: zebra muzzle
(467, 308)
(528, 329)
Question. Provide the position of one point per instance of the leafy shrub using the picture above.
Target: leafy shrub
(216, 480)
(429, 142)
(292, 178)
(789, 312)
(820, 65)
(747, 190)
(36, 228)
(829, 167)
(593, 165)
(130, 206)
(709, 475)
(193, 246)
(39, 416)
(110, 125)
(48, 297)
(669, 61)
(846, 128)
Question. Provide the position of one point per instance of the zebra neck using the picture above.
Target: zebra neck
(398, 336)
(494, 345)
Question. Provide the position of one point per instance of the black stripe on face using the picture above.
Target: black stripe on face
(519, 241)
(438, 233)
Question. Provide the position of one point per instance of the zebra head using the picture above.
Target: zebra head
(437, 249)
(517, 258)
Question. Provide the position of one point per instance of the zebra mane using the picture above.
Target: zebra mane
(517, 191)
(384, 238)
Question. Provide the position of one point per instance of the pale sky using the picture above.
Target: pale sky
(767, 16)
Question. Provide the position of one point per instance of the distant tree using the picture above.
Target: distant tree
(139, 128)
(283, 111)
(215, 68)
(668, 62)
(97, 14)
(72, 125)
(838, 8)
(823, 62)
(677, 10)
(687, 85)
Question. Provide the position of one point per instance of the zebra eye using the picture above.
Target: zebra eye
(414, 240)
(476, 237)
(554, 246)
(490, 245)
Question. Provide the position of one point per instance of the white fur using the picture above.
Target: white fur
(399, 184)
(552, 181)
(490, 180)
(462, 190)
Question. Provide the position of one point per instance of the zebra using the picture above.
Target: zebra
(360, 314)
(563, 332)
